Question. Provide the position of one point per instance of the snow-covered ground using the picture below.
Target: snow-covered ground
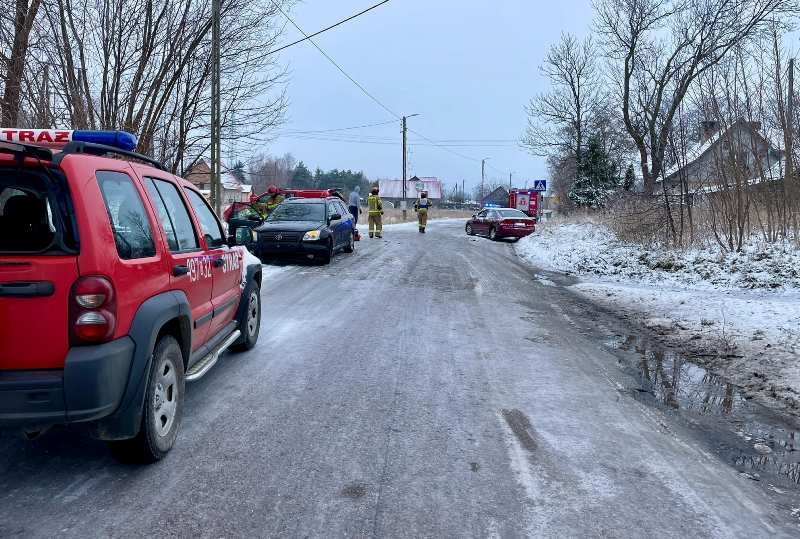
(738, 313)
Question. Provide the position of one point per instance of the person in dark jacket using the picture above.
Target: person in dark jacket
(354, 204)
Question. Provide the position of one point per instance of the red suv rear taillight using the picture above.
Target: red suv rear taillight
(92, 310)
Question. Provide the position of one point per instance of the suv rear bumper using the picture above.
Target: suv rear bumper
(90, 387)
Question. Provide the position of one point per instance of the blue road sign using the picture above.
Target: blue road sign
(540, 185)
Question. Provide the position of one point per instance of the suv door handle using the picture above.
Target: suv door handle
(177, 271)
(218, 262)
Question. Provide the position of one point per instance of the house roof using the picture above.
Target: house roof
(499, 194)
(699, 149)
(394, 188)
(200, 174)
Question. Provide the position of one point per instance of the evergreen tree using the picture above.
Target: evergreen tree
(301, 178)
(630, 179)
(596, 176)
(238, 172)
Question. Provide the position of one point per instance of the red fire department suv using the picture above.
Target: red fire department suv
(117, 285)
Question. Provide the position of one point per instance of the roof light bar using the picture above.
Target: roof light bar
(58, 138)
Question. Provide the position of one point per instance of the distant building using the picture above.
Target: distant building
(392, 190)
(723, 152)
(498, 198)
(233, 190)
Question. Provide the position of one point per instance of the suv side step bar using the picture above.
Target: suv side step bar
(199, 369)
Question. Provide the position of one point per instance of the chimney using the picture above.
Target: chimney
(708, 128)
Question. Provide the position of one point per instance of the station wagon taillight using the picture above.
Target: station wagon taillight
(93, 310)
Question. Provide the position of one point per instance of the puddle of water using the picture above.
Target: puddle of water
(668, 380)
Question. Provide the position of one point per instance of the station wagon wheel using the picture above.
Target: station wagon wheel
(351, 243)
(493, 233)
(469, 230)
(328, 256)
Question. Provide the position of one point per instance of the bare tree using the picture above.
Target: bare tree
(144, 66)
(13, 74)
(559, 119)
(659, 48)
(266, 170)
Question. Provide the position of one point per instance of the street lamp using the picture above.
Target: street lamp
(403, 203)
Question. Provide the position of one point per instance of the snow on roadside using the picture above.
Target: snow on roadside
(589, 249)
(739, 314)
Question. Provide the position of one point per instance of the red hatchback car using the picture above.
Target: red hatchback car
(497, 223)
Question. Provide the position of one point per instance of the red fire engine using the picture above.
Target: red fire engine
(524, 200)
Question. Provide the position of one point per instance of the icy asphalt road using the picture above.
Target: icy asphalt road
(427, 386)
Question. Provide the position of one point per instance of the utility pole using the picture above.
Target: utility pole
(403, 203)
(405, 163)
(509, 180)
(463, 192)
(216, 188)
(483, 176)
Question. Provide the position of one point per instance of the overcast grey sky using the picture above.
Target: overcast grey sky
(466, 67)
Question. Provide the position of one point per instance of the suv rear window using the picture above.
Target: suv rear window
(35, 213)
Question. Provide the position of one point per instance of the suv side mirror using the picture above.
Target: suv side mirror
(335, 217)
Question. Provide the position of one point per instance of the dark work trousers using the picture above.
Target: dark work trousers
(354, 211)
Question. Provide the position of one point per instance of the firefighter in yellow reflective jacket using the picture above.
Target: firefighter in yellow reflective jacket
(267, 206)
(421, 206)
(375, 209)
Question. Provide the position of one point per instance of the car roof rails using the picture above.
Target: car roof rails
(101, 150)
(20, 151)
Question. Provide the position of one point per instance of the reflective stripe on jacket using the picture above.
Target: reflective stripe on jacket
(273, 203)
(374, 204)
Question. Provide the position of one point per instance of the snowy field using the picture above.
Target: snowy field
(738, 313)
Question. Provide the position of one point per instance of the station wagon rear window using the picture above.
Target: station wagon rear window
(512, 214)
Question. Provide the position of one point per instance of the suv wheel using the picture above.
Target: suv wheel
(493, 233)
(351, 243)
(163, 407)
(249, 318)
(468, 230)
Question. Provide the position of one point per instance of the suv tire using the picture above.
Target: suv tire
(249, 318)
(163, 407)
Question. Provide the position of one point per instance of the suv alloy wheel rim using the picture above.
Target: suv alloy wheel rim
(252, 313)
(165, 397)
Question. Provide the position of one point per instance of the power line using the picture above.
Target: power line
(326, 29)
(361, 139)
(364, 90)
(331, 60)
(337, 129)
(445, 147)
